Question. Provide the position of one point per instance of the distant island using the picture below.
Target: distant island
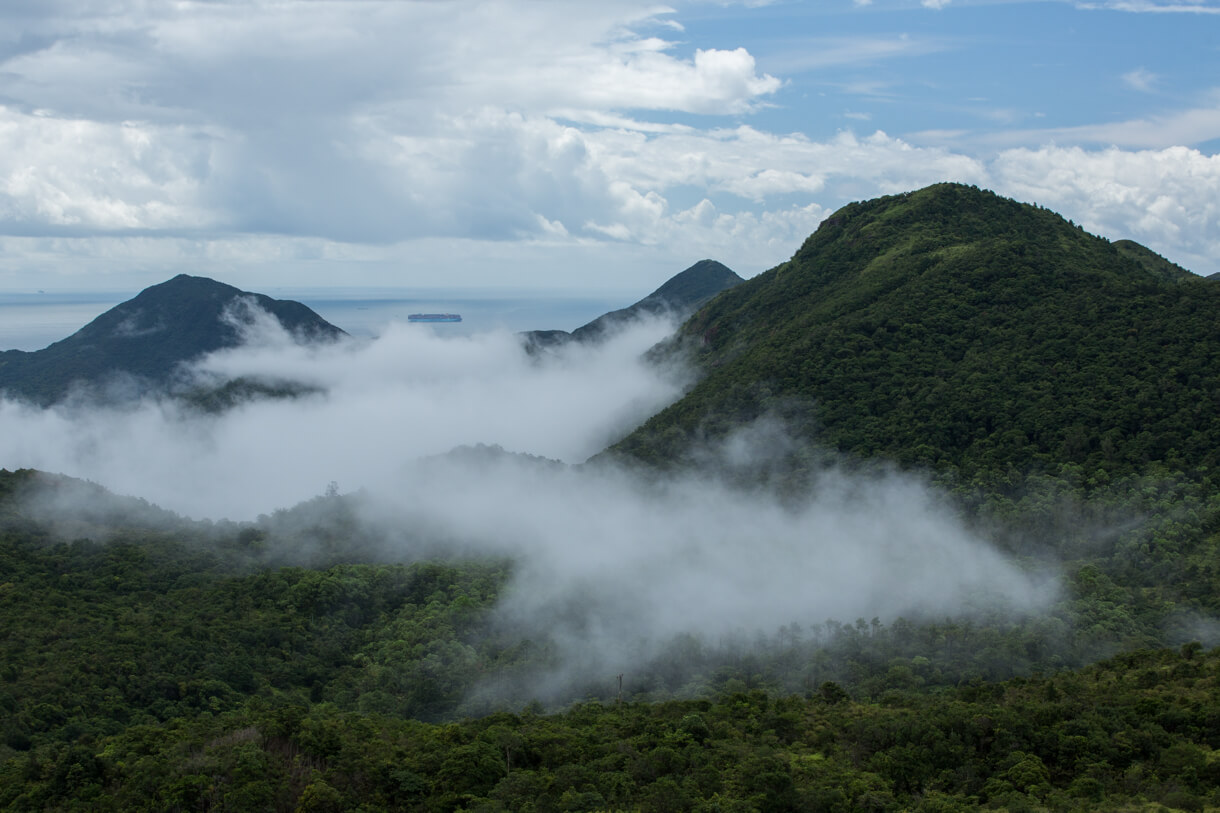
(434, 317)
(140, 345)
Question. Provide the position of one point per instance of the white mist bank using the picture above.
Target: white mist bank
(611, 565)
(383, 404)
(607, 563)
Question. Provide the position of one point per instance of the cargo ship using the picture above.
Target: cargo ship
(434, 317)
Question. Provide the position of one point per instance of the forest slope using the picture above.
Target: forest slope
(955, 329)
(164, 667)
(679, 297)
(143, 341)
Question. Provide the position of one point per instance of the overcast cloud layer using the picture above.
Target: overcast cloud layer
(583, 146)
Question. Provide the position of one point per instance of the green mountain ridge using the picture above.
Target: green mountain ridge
(954, 329)
(154, 663)
(145, 340)
(679, 296)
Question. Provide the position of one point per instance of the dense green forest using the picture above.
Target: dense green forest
(138, 346)
(1061, 390)
(1137, 732)
(970, 334)
(162, 664)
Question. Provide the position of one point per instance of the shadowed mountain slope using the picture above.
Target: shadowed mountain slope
(680, 296)
(953, 328)
(144, 340)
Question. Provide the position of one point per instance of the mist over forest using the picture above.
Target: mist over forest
(850, 537)
(372, 408)
(903, 497)
(470, 446)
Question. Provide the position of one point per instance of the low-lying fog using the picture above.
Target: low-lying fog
(640, 558)
(409, 394)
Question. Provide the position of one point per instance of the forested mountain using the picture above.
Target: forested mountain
(680, 296)
(1060, 389)
(140, 343)
(955, 329)
(165, 665)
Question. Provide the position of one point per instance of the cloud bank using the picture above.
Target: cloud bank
(605, 556)
(378, 406)
(608, 563)
(466, 140)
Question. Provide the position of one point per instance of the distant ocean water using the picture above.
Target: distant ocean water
(363, 315)
(33, 321)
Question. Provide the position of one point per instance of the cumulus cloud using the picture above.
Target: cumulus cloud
(718, 81)
(1141, 79)
(283, 136)
(1155, 7)
(1167, 199)
(78, 175)
(346, 121)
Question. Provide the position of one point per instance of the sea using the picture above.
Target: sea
(31, 321)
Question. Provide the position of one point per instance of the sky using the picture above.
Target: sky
(574, 147)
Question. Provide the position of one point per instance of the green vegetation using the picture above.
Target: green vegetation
(959, 331)
(1133, 733)
(680, 296)
(170, 665)
(1062, 389)
(138, 346)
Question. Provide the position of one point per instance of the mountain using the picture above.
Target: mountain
(144, 340)
(955, 329)
(680, 296)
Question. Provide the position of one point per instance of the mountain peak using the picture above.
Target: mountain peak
(954, 327)
(148, 337)
(695, 285)
(680, 295)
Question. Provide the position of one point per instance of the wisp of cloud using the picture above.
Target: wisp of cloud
(610, 564)
(376, 406)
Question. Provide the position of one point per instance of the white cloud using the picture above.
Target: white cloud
(1195, 125)
(346, 121)
(716, 82)
(1153, 6)
(815, 53)
(613, 568)
(1141, 79)
(86, 176)
(369, 135)
(631, 560)
(406, 395)
(1167, 199)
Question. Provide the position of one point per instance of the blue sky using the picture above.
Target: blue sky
(573, 147)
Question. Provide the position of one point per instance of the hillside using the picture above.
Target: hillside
(140, 343)
(955, 329)
(156, 664)
(679, 297)
(299, 662)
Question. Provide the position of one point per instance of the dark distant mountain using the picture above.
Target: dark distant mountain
(955, 329)
(679, 297)
(143, 342)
